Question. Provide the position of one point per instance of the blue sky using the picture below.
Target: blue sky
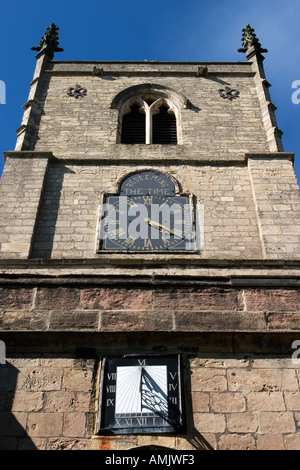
(165, 30)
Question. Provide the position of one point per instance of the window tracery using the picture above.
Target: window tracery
(149, 119)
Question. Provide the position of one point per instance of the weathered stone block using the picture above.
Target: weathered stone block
(60, 401)
(277, 422)
(266, 401)
(218, 321)
(270, 442)
(40, 380)
(16, 298)
(262, 380)
(28, 401)
(57, 298)
(208, 380)
(24, 320)
(246, 422)
(115, 299)
(237, 442)
(200, 402)
(268, 300)
(284, 321)
(74, 424)
(198, 299)
(209, 422)
(136, 321)
(228, 402)
(45, 424)
(77, 380)
(74, 320)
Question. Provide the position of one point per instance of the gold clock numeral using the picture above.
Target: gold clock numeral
(147, 243)
(131, 203)
(129, 241)
(147, 200)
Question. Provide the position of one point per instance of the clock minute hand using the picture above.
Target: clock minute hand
(162, 228)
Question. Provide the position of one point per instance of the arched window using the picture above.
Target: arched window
(148, 120)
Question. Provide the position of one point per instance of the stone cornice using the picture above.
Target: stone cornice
(153, 270)
(153, 154)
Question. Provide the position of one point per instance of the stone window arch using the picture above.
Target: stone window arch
(149, 120)
(149, 114)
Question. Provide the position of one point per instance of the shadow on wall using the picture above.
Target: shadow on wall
(198, 441)
(45, 226)
(13, 435)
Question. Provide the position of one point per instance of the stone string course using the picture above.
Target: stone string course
(109, 309)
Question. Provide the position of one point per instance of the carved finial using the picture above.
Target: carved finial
(249, 40)
(49, 42)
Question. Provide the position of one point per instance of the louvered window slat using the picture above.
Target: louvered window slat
(164, 128)
(133, 127)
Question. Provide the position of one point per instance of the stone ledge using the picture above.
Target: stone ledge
(90, 343)
(271, 156)
(151, 67)
(26, 153)
(169, 154)
(147, 258)
(222, 277)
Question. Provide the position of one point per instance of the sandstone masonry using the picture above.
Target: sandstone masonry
(231, 309)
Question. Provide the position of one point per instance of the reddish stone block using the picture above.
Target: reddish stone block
(74, 321)
(77, 380)
(74, 425)
(292, 442)
(36, 379)
(56, 298)
(237, 442)
(228, 403)
(270, 442)
(23, 320)
(136, 321)
(27, 401)
(115, 299)
(277, 422)
(45, 424)
(14, 298)
(242, 422)
(218, 321)
(284, 321)
(198, 299)
(200, 402)
(268, 300)
(209, 422)
(209, 380)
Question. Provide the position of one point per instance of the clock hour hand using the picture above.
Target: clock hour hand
(162, 228)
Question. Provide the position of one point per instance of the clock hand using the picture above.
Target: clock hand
(162, 228)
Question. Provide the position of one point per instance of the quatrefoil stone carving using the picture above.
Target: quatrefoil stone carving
(228, 93)
(77, 92)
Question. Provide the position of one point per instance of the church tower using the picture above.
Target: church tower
(149, 259)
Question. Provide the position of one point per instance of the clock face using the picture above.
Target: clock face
(148, 217)
(141, 394)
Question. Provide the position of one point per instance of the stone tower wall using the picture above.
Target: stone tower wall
(231, 310)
